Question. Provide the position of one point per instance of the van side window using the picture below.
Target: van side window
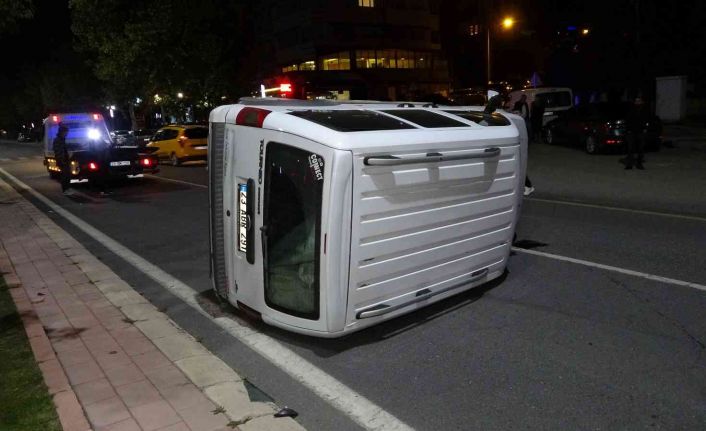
(294, 181)
(555, 99)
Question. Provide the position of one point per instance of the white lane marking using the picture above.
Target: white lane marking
(613, 269)
(175, 181)
(610, 208)
(361, 410)
(4, 160)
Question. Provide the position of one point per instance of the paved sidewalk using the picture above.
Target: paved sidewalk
(110, 359)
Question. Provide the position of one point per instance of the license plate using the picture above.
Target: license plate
(243, 218)
(120, 163)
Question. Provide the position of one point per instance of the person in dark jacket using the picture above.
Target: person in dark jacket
(61, 154)
(537, 118)
(636, 122)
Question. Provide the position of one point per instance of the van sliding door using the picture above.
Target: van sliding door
(291, 239)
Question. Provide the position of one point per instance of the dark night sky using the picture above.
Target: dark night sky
(671, 39)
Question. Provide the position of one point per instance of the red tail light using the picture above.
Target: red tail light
(146, 162)
(96, 116)
(252, 117)
(55, 118)
(92, 166)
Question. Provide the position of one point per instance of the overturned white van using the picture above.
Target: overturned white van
(327, 218)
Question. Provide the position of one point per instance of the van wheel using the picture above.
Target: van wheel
(174, 160)
(549, 137)
(592, 146)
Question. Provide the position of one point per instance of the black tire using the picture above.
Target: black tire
(174, 160)
(591, 145)
(549, 137)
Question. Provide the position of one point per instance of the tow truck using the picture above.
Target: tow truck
(93, 154)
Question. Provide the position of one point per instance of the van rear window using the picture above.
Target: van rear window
(425, 118)
(352, 120)
(493, 119)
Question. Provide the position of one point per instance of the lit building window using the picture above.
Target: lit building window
(366, 3)
(474, 30)
(338, 61)
(290, 68)
(365, 59)
(405, 59)
(307, 65)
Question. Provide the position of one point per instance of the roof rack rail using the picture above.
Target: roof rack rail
(276, 101)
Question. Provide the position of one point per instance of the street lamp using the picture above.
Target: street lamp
(180, 95)
(507, 23)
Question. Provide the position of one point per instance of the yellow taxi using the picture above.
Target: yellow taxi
(180, 143)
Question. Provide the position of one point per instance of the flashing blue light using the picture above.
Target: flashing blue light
(571, 28)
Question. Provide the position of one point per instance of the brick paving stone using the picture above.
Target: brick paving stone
(126, 425)
(74, 356)
(137, 345)
(179, 347)
(155, 415)
(179, 426)
(138, 312)
(207, 370)
(33, 326)
(83, 372)
(157, 328)
(112, 323)
(203, 419)
(151, 360)
(70, 413)
(124, 374)
(41, 347)
(138, 393)
(166, 377)
(74, 278)
(66, 343)
(185, 396)
(104, 343)
(124, 298)
(92, 392)
(113, 359)
(54, 376)
(107, 412)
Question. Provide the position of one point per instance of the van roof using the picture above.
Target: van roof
(368, 124)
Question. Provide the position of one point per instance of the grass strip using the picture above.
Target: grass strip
(25, 404)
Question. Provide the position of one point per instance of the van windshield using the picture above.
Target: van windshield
(292, 217)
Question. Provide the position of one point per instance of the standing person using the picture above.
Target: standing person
(522, 109)
(636, 122)
(537, 118)
(61, 154)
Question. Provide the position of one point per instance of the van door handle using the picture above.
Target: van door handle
(390, 160)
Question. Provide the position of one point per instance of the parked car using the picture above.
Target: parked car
(142, 137)
(556, 100)
(180, 143)
(598, 127)
(122, 137)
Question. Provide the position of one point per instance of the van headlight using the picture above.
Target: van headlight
(94, 134)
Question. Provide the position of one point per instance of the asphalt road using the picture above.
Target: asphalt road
(555, 345)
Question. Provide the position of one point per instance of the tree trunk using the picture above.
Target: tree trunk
(133, 119)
